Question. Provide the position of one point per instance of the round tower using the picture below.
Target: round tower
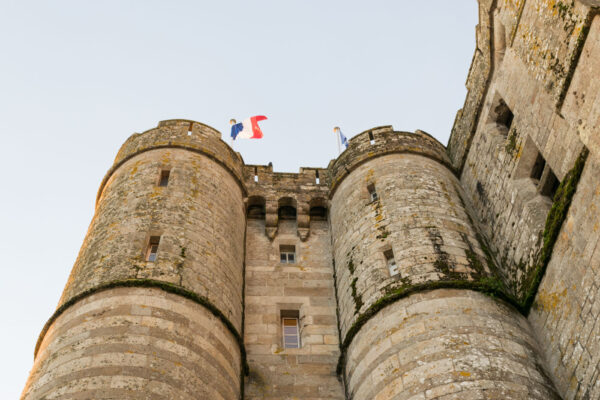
(413, 280)
(153, 306)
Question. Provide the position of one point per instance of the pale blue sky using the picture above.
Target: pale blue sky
(78, 77)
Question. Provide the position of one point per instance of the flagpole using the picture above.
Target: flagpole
(336, 130)
(231, 123)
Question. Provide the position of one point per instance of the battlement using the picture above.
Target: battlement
(380, 141)
(183, 134)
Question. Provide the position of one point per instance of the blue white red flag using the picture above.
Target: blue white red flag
(248, 128)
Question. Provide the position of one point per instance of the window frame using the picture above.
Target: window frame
(292, 335)
(152, 249)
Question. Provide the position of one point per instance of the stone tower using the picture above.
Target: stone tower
(134, 322)
(403, 270)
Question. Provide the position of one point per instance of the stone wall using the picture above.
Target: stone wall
(136, 343)
(305, 287)
(566, 312)
(547, 77)
(446, 344)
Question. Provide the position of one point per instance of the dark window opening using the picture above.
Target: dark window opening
(256, 212)
(371, 138)
(318, 213)
(501, 114)
(152, 250)
(549, 184)
(286, 213)
(317, 180)
(164, 178)
(287, 254)
(255, 174)
(391, 262)
(538, 168)
(190, 128)
(372, 193)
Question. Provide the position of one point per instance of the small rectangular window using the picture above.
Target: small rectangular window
(290, 329)
(164, 178)
(287, 254)
(371, 138)
(317, 180)
(152, 250)
(372, 193)
(391, 263)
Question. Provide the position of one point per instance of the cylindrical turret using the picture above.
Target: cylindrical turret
(408, 263)
(153, 306)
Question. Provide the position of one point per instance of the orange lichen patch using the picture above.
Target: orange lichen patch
(549, 301)
(464, 373)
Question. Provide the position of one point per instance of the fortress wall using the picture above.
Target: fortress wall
(566, 311)
(547, 76)
(306, 286)
(200, 219)
(136, 343)
(446, 344)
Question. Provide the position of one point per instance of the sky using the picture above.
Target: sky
(78, 77)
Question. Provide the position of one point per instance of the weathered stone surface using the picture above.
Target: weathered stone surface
(444, 343)
(547, 76)
(136, 343)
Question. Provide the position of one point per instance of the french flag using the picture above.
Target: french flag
(248, 128)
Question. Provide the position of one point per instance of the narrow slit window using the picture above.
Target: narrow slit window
(372, 192)
(549, 184)
(190, 129)
(291, 332)
(317, 180)
(371, 138)
(164, 178)
(538, 168)
(391, 262)
(287, 254)
(152, 251)
(255, 174)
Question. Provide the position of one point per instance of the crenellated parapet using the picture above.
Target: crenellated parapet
(382, 141)
(287, 196)
(183, 134)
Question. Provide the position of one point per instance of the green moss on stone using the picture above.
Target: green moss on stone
(554, 221)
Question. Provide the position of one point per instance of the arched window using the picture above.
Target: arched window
(287, 209)
(256, 207)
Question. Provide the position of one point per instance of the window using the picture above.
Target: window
(549, 184)
(190, 129)
(318, 213)
(317, 180)
(371, 138)
(501, 114)
(391, 262)
(372, 192)
(152, 250)
(164, 178)
(255, 174)
(538, 168)
(290, 329)
(533, 165)
(287, 254)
